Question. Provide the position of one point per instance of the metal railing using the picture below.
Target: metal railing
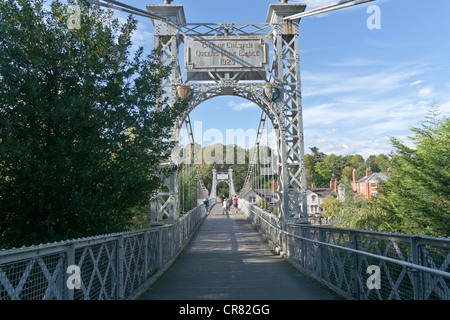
(113, 266)
(359, 264)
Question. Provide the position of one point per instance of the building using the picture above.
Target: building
(254, 195)
(315, 197)
(369, 185)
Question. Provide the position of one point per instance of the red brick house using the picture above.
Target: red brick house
(369, 185)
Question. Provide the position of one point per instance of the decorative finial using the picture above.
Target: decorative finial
(284, 1)
(167, 1)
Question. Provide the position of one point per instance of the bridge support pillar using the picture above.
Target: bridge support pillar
(286, 75)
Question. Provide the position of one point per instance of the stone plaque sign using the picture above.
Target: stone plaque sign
(225, 54)
(222, 176)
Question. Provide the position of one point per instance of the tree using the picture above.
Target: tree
(263, 204)
(82, 125)
(357, 161)
(317, 155)
(330, 206)
(324, 173)
(347, 173)
(222, 158)
(417, 195)
(309, 168)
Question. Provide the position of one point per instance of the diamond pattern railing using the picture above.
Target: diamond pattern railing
(235, 29)
(410, 267)
(116, 266)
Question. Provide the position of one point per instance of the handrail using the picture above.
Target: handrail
(422, 260)
(114, 266)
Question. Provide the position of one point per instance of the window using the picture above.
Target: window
(313, 198)
(374, 193)
(373, 185)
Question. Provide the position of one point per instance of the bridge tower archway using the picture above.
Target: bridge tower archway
(226, 177)
(234, 59)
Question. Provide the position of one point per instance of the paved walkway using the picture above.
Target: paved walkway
(228, 260)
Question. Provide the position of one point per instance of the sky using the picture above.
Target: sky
(359, 85)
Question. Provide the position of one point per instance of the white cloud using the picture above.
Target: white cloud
(241, 106)
(142, 37)
(322, 83)
(349, 110)
(415, 83)
(444, 107)
(426, 92)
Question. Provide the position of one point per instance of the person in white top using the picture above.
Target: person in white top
(224, 206)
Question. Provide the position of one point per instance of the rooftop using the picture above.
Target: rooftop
(376, 177)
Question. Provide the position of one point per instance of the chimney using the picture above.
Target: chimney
(354, 175)
(335, 185)
(331, 183)
(313, 186)
(274, 186)
(368, 172)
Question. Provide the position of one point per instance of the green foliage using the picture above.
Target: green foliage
(80, 127)
(263, 204)
(187, 189)
(418, 192)
(321, 168)
(416, 198)
(353, 211)
(222, 157)
(330, 206)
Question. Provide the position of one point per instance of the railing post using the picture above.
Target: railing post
(322, 260)
(120, 268)
(160, 256)
(282, 238)
(70, 254)
(303, 246)
(146, 255)
(417, 275)
(354, 272)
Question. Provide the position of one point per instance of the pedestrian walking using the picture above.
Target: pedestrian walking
(235, 203)
(206, 202)
(224, 206)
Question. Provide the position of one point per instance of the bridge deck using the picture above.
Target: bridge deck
(228, 260)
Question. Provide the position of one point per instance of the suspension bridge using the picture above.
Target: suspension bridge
(265, 252)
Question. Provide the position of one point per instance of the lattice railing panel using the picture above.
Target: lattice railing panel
(338, 268)
(98, 266)
(134, 262)
(37, 278)
(435, 288)
(410, 267)
(113, 266)
(234, 29)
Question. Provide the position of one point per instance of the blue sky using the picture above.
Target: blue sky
(359, 85)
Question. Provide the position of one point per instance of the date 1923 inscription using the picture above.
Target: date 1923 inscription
(229, 53)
